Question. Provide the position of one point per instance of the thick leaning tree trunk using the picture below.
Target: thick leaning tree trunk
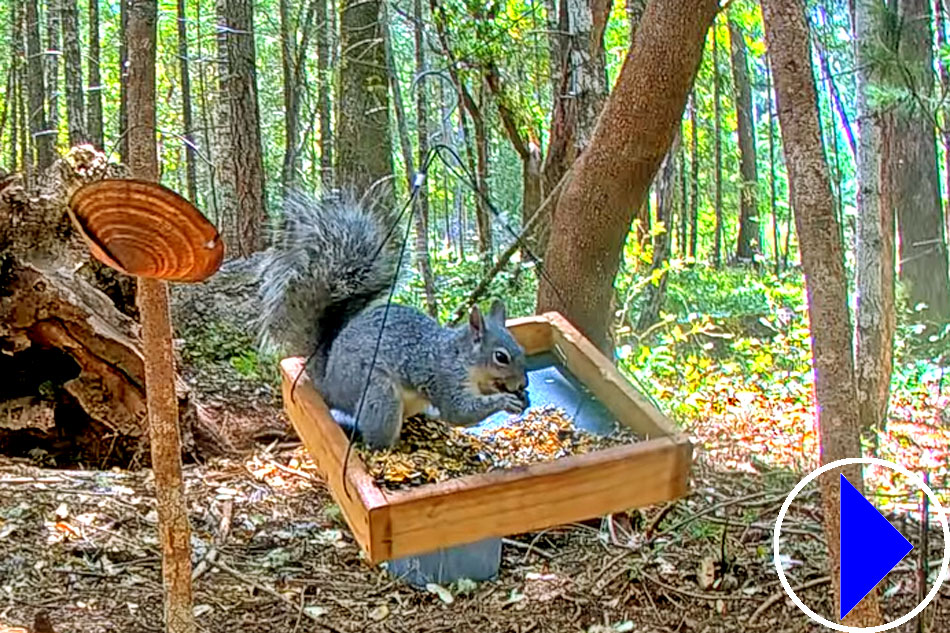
(612, 177)
(786, 33)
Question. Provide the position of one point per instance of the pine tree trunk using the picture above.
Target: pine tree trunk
(16, 54)
(94, 89)
(923, 239)
(612, 177)
(240, 158)
(786, 31)
(579, 94)
(208, 124)
(323, 91)
(874, 258)
(749, 243)
(52, 57)
(364, 147)
(75, 100)
(422, 140)
(174, 529)
(773, 206)
(123, 82)
(38, 123)
(662, 244)
(693, 177)
(717, 149)
(191, 170)
(291, 95)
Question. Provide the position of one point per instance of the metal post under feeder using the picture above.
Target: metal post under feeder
(439, 532)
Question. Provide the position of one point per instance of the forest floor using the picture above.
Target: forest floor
(79, 546)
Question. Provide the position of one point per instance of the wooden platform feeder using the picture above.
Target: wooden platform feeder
(392, 524)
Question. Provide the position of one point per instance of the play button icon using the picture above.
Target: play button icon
(870, 547)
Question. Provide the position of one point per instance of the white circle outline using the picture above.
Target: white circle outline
(941, 514)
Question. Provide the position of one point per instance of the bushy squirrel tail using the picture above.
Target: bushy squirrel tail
(327, 263)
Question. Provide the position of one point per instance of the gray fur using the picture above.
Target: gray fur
(319, 287)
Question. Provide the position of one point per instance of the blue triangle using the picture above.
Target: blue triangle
(870, 547)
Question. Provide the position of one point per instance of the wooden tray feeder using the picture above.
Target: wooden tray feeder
(392, 524)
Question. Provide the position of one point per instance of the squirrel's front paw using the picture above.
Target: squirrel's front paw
(513, 403)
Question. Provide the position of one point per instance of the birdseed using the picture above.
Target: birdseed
(431, 451)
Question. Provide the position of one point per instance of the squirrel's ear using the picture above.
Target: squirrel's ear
(498, 313)
(477, 323)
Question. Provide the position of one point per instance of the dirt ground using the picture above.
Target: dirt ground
(272, 553)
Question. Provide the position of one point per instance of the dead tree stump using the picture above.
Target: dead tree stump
(74, 378)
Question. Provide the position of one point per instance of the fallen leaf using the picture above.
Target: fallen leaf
(444, 594)
(314, 612)
(62, 512)
(201, 609)
(379, 614)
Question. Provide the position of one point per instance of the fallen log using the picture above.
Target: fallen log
(70, 341)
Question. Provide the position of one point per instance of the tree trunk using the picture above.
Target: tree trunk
(364, 147)
(662, 244)
(717, 148)
(749, 243)
(579, 93)
(241, 159)
(38, 123)
(422, 140)
(923, 240)
(773, 206)
(51, 64)
(786, 32)
(94, 89)
(693, 177)
(75, 106)
(13, 101)
(323, 92)
(613, 175)
(874, 257)
(123, 82)
(405, 144)
(191, 170)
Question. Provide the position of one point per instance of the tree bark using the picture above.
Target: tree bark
(693, 177)
(612, 177)
(786, 32)
(874, 258)
(749, 243)
(364, 147)
(923, 240)
(163, 424)
(717, 149)
(420, 214)
(241, 158)
(662, 244)
(75, 107)
(773, 199)
(191, 169)
(94, 89)
(323, 92)
(51, 63)
(422, 141)
(38, 123)
(579, 93)
(16, 49)
(123, 82)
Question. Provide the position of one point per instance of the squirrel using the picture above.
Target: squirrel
(320, 295)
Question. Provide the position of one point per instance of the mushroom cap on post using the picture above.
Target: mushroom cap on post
(145, 229)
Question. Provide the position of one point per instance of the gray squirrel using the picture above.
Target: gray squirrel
(322, 294)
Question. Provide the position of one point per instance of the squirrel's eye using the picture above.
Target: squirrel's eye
(501, 357)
